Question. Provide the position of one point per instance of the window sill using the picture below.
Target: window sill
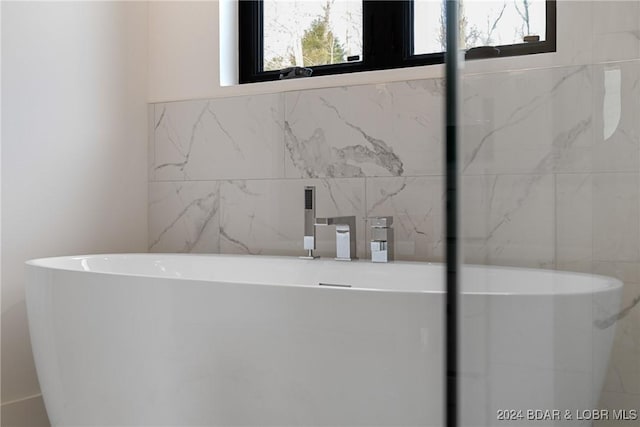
(479, 66)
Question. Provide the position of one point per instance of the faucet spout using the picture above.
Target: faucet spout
(323, 221)
(337, 220)
(345, 235)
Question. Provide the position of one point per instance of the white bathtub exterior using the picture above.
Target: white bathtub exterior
(177, 340)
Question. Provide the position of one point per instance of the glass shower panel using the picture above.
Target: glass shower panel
(550, 222)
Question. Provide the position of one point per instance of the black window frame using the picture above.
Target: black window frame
(387, 41)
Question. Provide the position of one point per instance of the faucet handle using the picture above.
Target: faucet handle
(381, 238)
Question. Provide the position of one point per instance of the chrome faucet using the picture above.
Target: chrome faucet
(345, 229)
(381, 238)
(345, 235)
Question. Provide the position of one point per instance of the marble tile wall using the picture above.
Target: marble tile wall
(550, 160)
(227, 175)
(551, 179)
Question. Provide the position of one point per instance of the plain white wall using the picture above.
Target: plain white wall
(74, 153)
(183, 49)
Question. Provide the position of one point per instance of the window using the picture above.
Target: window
(341, 36)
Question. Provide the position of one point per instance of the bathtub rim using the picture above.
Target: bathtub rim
(605, 283)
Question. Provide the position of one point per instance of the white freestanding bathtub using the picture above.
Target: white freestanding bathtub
(181, 340)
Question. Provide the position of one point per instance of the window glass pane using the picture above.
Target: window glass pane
(310, 32)
(482, 23)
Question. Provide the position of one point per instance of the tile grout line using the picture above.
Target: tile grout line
(612, 172)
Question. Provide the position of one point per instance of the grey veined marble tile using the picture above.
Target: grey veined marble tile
(616, 217)
(267, 217)
(227, 138)
(598, 224)
(509, 220)
(390, 129)
(531, 121)
(574, 222)
(184, 216)
(416, 204)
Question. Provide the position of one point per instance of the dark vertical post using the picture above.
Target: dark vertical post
(451, 215)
